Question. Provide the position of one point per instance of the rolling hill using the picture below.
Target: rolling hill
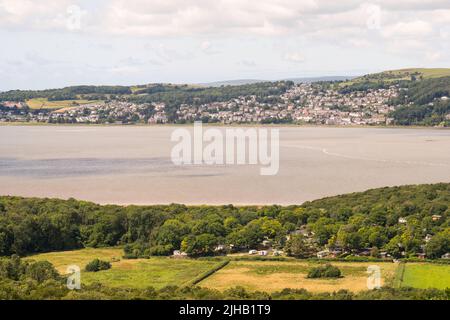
(402, 74)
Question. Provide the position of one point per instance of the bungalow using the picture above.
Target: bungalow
(364, 252)
(179, 253)
(220, 247)
(323, 254)
(335, 253)
(421, 256)
(303, 231)
(278, 252)
(402, 220)
(266, 243)
(436, 217)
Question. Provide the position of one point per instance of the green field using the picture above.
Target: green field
(156, 272)
(43, 103)
(402, 74)
(254, 275)
(423, 275)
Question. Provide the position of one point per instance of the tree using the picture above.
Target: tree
(172, 232)
(41, 271)
(271, 228)
(348, 237)
(438, 245)
(394, 247)
(374, 252)
(297, 247)
(324, 229)
(231, 223)
(201, 245)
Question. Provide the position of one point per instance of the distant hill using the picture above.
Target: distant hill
(404, 74)
(239, 82)
(317, 79)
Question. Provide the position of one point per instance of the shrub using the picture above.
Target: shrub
(208, 273)
(161, 250)
(326, 271)
(41, 271)
(97, 265)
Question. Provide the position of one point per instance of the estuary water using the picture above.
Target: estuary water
(132, 165)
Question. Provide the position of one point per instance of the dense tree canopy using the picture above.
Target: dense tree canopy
(353, 222)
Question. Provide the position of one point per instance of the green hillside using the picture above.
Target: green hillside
(404, 74)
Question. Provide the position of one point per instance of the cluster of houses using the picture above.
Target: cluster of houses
(302, 103)
(105, 112)
(265, 248)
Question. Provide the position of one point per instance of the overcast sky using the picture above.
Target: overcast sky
(55, 43)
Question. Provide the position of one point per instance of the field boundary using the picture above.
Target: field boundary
(399, 274)
(207, 273)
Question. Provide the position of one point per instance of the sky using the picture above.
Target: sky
(57, 43)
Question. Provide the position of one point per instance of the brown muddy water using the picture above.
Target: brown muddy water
(132, 165)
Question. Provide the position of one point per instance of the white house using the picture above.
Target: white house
(323, 254)
(220, 247)
(179, 253)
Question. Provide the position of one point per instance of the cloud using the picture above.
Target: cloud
(423, 5)
(207, 48)
(225, 17)
(412, 29)
(28, 14)
(174, 18)
(359, 42)
(183, 36)
(295, 57)
(247, 63)
(433, 56)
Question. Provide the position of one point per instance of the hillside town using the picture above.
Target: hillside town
(300, 104)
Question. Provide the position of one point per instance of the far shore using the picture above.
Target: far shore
(287, 125)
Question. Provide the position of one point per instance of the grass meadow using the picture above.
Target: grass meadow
(420, 275)
(155, 272)
(273, 276)
(43, 103)
(263, 275)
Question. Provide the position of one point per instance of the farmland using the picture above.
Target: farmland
(267, 275)
(423, 276)
(402, 74)
(43, 103)
(137, 273)
(273, 276)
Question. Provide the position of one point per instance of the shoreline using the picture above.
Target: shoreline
(143, 125)
(240, 205)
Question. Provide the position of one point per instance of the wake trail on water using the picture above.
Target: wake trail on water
(340, 155)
